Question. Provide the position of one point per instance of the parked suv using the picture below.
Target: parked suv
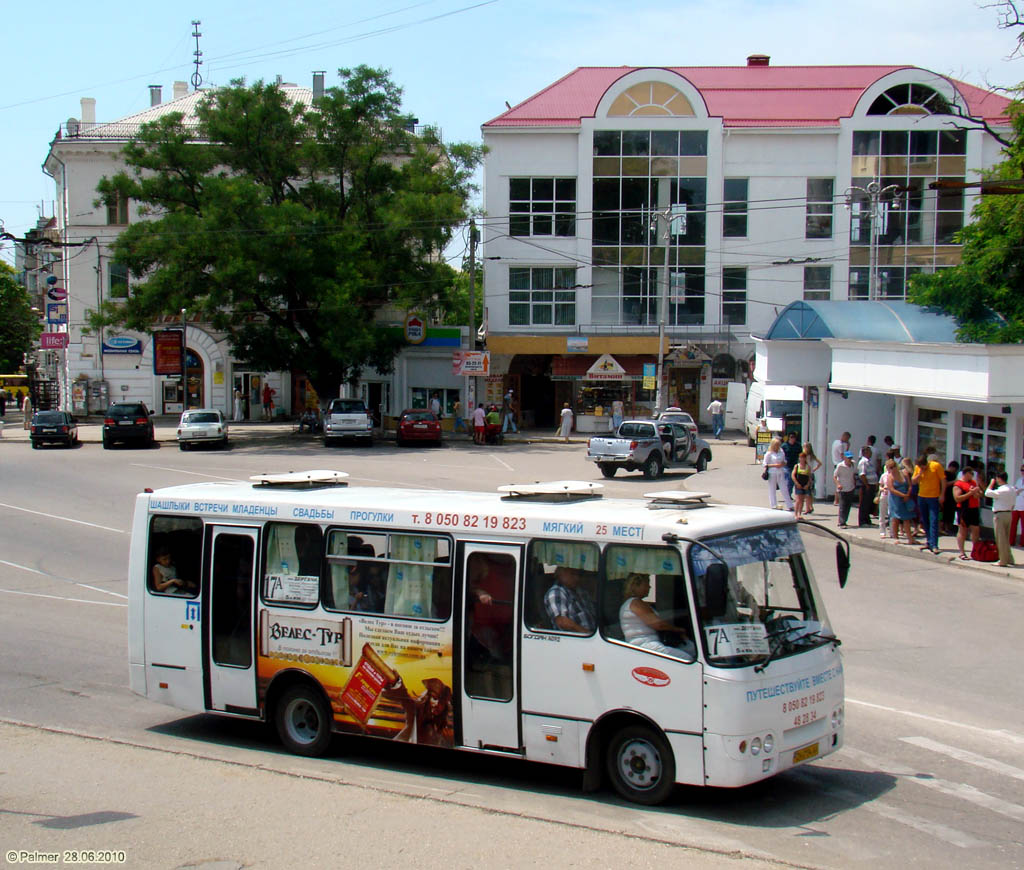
(127, 421)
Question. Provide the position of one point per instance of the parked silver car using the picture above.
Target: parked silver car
(202, 426)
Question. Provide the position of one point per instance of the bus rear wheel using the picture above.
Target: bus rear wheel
(640, 765)
(303, 721)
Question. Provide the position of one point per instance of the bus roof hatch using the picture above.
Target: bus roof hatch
(552, 490)
(676, 498)
(316, 479)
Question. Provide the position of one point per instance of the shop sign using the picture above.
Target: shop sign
(56, 313)
(471, 362)
(167, 352)
(53, 340)
(577, 344)
(415, 329)
(650, 378)
(123, 344)
(606, 368)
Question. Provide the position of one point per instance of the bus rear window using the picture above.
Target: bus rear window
(175, 555)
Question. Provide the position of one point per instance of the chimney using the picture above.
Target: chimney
(180, 90)
(758, 60)
(88, 112)
(155, 95)
(318, 84)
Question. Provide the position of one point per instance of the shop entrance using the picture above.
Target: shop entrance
(684, 390)
(171, 390)
(250, 384)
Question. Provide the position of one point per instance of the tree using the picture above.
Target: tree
(984, 292)
(19, 324)
(289, 227)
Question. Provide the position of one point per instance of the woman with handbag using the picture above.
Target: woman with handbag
(775, 473)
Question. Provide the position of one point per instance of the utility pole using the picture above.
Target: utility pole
(879, 200)
(668, 216)
(470, 391)
(184, 370)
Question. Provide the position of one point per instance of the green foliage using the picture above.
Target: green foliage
(288, 227)
(984, 292)
(19, 324)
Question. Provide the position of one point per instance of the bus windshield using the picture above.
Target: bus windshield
(768, 606)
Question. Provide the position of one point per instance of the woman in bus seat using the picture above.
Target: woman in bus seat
(641, 623)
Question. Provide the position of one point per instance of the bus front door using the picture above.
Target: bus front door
(490, 653)
(231, 684)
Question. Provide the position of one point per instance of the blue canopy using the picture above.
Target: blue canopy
(865, 321)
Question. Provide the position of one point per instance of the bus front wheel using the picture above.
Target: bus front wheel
(641, 765)
(303, 721)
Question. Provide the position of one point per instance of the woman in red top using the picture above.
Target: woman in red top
(967, 495)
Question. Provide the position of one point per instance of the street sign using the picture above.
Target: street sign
(56, 313)
(53, 340)
(56, 294)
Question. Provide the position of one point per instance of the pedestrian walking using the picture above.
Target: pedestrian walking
(618, 410)
(802, 477)
(479, 424)
(883, 500)
(238, 405)
(1017, 515)
(26, 411)
(792, 451)
(435, 406)
(508, 414)
(717, 410)
(814, 464)
(268, 401)
(566, 422)
(775, 468)
(3, 404)
(845, 478)
(930, 477)
(1004, 497)
(839, 448)
(460, 422)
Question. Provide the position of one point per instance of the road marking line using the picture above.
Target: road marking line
(182, 471)
(959, 790)
(61, 579)
(991, 732)
(964, 755)
(501, 461)
(65, 519)
(62, 598)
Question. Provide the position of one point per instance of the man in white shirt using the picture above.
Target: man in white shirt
(839, 448)
(1004, 497)
(1017, 515)
(717, 417)
(845, 477)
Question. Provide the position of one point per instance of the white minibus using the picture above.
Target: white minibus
(656, 641)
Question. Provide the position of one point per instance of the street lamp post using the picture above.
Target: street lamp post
(184, 369)
(879, 200)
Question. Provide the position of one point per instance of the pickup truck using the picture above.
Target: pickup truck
(650, 445)
(347, 418)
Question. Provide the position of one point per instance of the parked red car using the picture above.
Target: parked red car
(416, 424)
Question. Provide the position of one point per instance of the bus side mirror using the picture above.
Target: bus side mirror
(716, 588)
(842, 564)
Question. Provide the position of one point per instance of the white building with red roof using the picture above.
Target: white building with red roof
(711, 197)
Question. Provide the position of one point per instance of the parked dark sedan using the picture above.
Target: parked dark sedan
(418, 425)
(53, 427)
(127, 421)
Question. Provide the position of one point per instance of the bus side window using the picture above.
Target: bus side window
(175, 556)
(561, 585)
(292, 557)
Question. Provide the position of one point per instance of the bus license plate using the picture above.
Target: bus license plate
(806, 753)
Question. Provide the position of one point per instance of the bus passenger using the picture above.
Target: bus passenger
(165, 576)
(570, 608)
(640, 622)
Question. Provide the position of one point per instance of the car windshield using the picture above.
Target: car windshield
(782, 408)
(348, 406)
(201, 417)
(768, 606)
(419, 417)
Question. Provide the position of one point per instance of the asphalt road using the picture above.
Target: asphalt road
(932, 774)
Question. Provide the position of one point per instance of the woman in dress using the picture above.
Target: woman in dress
(640, 622)
(775, 465)
(814, 464)
(566, 425)
(901, 505)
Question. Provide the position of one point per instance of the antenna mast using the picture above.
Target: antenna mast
(197, 79)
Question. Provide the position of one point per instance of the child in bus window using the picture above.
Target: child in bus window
(165, 576)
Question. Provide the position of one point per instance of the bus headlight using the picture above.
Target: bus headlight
(755, 746)
(769, 744)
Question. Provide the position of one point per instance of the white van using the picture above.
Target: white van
(780, 404)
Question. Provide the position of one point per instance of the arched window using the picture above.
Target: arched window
(910, 100)
(650, 98)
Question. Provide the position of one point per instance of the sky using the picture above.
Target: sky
(458, 61)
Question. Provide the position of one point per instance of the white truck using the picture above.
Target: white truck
(347, 418)
(651, 446)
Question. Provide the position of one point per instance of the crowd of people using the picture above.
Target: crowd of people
(918, 500)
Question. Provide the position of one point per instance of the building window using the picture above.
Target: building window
(541, 296)
(542, 206)
(818, 282)
(117, 210)
(932, 429)
(686, 299)
(734, 217)
(891, 282)
(910, 99)
(650, 98)
(117, 281)
(983, 443)
(734, 294)
(819, 208)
